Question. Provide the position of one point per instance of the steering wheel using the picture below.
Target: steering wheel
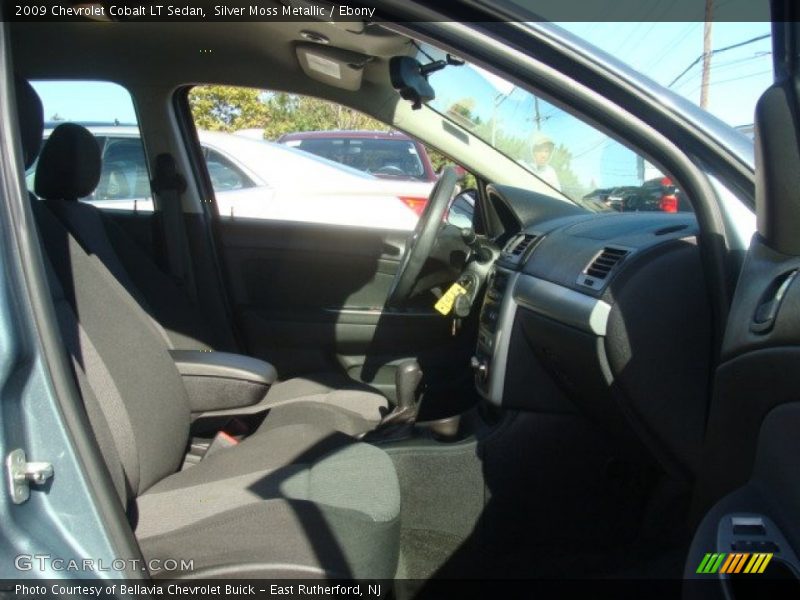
(421, 242)
(390, 170)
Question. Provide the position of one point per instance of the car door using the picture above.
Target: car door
(748, 492)
(309, 274)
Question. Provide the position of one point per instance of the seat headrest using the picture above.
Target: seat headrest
(69, 165)
(31, 119)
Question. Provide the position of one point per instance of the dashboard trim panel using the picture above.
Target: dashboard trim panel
(562, 304)
(501, 343)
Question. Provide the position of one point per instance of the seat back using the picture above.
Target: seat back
(122, 357)
(134, 396)
(68, 169)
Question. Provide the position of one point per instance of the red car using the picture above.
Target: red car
(384, 154)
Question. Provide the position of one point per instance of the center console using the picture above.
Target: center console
(223, 384)
(497, 318)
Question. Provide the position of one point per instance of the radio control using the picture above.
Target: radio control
(480, 367)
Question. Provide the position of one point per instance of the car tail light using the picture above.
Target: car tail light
(668, 203)
(666, 182)
(415, 203)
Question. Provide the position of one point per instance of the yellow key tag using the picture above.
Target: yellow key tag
(445, 303)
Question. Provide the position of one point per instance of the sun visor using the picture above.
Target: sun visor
(334, 66)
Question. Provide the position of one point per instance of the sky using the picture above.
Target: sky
(663, 50)
(85, 101)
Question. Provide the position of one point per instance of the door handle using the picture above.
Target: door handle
(767, 310)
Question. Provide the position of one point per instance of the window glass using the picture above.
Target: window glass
(723, 66)
(383, 157)
(107, 111)
(225, 176)
(296, 158)
(571, 157)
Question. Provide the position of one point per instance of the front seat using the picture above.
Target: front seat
(298, 500)
(69, 168)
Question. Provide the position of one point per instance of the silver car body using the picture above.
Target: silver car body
(284, 184)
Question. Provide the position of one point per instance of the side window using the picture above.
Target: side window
(124, 175)
(225, 176)
(107, 111)
(309, 160)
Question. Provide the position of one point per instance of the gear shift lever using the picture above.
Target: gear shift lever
(406, 380)
(399, 423)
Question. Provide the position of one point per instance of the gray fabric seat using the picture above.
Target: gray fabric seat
(292, 500)
(333, 501)
(69, 168)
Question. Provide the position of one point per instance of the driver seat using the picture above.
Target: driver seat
(69, 168)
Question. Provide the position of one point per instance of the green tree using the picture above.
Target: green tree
(289, 112)
(226, 108)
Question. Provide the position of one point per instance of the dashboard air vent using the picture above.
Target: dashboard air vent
(601, 266)
(524, 242)
(518, 244)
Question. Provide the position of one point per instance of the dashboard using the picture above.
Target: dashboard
(605, 314)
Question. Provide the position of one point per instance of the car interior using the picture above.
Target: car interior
(611, 396)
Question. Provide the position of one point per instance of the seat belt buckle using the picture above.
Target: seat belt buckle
(237, 428)
(221, 441)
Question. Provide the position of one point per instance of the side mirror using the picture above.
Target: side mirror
(462, 209)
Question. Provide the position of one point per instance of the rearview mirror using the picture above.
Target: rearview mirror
(408, 78)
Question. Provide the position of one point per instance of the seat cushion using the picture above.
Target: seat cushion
(335, 515)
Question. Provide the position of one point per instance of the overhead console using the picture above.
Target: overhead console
(607, 315)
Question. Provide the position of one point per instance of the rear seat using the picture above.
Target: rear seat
(298, 500)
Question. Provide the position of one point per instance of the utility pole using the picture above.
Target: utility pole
(707, 52)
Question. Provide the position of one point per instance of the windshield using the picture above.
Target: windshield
(570, 156)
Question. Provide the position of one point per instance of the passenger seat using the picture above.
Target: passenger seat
(298, 500)
(69, 168)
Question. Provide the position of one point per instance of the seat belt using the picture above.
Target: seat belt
(168, 185)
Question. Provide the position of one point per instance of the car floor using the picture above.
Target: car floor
(424, 551)
(542, 496)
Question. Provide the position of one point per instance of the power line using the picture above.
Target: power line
(735, 79)
(731, 47)
(688, 31)
(716, 68)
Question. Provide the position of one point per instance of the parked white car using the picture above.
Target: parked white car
(262, 180)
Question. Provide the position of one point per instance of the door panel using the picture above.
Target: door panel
(310, 298)
(294, 266)
(762, 336)
(750, 468)
(757, 371)
(767, 504)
